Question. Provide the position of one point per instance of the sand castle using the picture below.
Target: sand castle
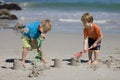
(17, 65)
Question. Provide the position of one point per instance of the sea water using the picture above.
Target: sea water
(66, 14)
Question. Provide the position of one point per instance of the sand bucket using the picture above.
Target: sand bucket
(17, 65)
(75, 61)
(57, 63)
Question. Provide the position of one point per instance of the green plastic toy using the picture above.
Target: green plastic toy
(39, 57)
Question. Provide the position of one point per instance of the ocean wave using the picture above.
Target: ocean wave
(78, 5)
(78, 20)
(69, 1)
(69, 20)
(101, 21)
(96, 21)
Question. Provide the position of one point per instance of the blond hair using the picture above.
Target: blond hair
(46, 25)
(87, 17)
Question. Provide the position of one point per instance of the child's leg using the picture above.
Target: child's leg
(95, 57)
(90, 57)
(24, 53)
(96, 50)
(26, 47)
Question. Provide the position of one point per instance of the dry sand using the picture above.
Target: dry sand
(63, 46)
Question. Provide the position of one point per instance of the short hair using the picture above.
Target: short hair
(87, 17)
(46, 24)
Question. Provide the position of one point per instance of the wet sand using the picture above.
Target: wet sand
(63, 46)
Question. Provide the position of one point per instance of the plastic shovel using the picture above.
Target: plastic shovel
(79, 54)
(38, 57)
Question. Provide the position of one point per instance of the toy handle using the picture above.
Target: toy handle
(79, 54)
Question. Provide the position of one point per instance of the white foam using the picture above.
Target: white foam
(69, 20)
(100, 21)
(78, 20)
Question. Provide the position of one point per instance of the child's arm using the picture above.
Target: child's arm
(40, 40)
(85, 44)
(42, 56)
(97, 41)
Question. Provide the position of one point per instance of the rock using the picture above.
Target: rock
(5, 14)
(13, 17)
(10, 6)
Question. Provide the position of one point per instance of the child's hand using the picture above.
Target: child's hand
(42, 36)
(85, 50)
(94, 45)
(39, 50)
(26, 30)
(45, 60)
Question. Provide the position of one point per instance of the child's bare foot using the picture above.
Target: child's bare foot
(95, 62)
(23, 64)
(89, 62)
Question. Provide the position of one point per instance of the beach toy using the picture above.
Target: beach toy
(79, 54)
(57, 63)
(39, 57)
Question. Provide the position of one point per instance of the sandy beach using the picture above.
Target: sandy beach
(61, 46)
(62, 42)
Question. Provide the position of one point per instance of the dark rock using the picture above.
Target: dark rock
(5, 14)
(13, 17)
(10, 6)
